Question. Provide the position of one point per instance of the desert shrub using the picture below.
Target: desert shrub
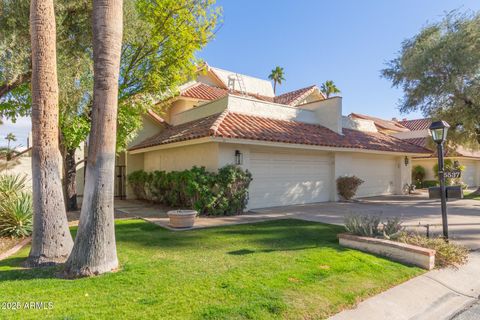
(210, 193)
(365, 225)
(392, 228)
(418, 175)
(347, 186)
(447, 253)
(372, 226)
(15, 207)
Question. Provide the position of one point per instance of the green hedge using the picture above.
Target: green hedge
(222, 193)
(429, 183)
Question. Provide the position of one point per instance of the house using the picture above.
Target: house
(295, 144)
(416, 131)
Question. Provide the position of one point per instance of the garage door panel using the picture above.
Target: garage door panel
(468, 175)
(378, 175)
(287, 178)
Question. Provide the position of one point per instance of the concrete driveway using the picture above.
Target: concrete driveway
(463, 215)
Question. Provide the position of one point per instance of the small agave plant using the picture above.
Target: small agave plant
(16, 209)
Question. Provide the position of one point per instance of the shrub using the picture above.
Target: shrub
(418, 174)
(369, 226)
(221, 193)
(137, 181)
(447, 254)
(430, 183)
(15, 207)
(347, 186)
(393, 228)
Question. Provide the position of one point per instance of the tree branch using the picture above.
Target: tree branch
(7, 87)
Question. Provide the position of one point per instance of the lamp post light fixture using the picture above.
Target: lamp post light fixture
(439, 130)
(406, 161)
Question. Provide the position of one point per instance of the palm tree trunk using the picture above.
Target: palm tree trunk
(51, 240)
(70, 180)
(94, 251)
(274, 86)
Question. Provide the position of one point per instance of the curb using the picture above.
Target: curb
(15, 249)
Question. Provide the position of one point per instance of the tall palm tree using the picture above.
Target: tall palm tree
(94, 251)
(10, 137)
(51, 239)
(328, 88)
(277, 76)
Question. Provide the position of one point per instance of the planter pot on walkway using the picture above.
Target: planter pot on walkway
(407, 253)
(182, 218)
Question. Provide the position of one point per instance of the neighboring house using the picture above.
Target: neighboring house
(416, 132)
(295, 144)
(21, 164)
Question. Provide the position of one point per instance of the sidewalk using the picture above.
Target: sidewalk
(438, 294)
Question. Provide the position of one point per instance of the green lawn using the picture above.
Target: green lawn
(470, 195)
(284, 269)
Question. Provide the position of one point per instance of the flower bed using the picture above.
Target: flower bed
(398, 251)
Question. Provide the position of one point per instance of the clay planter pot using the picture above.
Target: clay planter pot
(182, 218)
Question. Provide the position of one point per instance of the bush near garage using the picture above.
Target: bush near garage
(347, 186)
(418, 175)
(224, 192)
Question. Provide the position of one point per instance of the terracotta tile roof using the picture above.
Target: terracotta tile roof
(416, 124)
(241, 126)
(157, 118)
(204, 92)
(458, 152)
(422, 142)
(293, 97)
(381, 123)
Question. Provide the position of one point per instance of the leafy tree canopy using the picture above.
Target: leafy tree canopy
(160, 40)
(439, 72)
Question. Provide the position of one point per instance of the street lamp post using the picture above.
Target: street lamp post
(439, 129)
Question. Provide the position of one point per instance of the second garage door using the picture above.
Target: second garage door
(378, 174)
(469, 175)
(289, 178)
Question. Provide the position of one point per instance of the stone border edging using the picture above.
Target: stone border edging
(403, 252)
(15, 249)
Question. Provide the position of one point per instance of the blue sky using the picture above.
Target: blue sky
(345, 41)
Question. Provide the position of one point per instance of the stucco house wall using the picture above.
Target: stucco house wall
(182, 158)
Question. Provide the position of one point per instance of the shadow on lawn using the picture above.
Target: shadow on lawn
(21, 273)
(267, 236)
(260, 237)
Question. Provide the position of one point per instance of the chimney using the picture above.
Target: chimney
(394, 119)
(328, 113)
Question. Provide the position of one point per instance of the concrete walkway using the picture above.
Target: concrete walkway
(438, 294)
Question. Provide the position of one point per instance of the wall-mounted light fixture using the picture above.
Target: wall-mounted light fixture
(238, 157)
(407, 161)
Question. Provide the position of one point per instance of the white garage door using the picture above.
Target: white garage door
(468, 176)
(378, 174)
(289, 178)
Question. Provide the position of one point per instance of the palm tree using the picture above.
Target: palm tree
(277, 76)
(94, 251)
(328, 88)
(51, 239)
(10, 137)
